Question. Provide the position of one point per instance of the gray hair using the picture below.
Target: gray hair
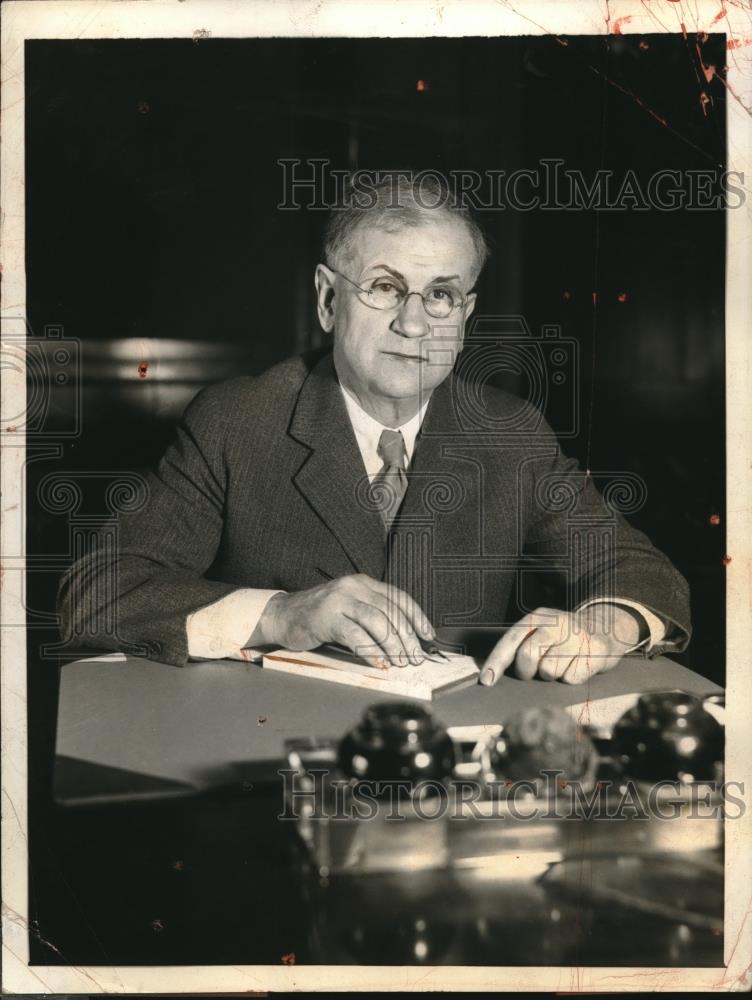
(392, 201)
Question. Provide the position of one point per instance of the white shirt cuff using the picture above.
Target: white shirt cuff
(656, 627)
(221, 630)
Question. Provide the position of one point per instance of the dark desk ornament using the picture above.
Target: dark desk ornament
(541, 797)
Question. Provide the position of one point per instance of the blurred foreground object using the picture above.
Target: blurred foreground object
(402, 793)
(669, 736)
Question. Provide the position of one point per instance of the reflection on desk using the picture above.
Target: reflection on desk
(217, 879)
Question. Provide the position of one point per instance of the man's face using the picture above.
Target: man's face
(402, 352)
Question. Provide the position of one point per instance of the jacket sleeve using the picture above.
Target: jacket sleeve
(583, 533)
(142, 576)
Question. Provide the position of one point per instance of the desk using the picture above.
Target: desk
(131, 728)
(174, 854)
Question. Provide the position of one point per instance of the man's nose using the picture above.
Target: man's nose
(412, 320)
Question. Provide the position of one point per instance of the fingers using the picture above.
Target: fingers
(368, 616)
(554, 663)
(582, 668)
(400, 602)
(402, 624)
(555, 646)
(385, 613)
(577, 659)
(546, 644)
(592, 653)
(396, 621)
(357, 639)
(398, 649)
(506, 649)
(531, 653)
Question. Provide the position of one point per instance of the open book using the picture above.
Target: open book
(421, 681)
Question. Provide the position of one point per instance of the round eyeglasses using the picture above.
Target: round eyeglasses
(385, 292)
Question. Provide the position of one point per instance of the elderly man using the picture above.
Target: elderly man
(356, 497)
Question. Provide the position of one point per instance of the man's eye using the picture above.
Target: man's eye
(383, 286)
(442, 295)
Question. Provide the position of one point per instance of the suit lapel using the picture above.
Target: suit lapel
(333, 477)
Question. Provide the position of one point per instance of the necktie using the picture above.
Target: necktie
(390, 484)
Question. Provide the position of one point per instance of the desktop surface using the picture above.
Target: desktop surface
(129, 727)
(165, 847)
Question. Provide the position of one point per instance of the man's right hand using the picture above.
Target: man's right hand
(371, 618)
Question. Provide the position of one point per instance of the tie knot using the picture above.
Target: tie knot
(392, 448)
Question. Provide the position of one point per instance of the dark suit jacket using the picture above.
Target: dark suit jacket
(264, 487)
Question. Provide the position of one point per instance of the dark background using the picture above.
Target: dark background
(153, 237)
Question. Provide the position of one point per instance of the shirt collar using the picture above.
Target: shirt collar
(368, 431)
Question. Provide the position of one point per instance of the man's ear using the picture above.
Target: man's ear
(325, 297)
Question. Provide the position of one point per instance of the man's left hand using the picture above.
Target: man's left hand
(564, 646)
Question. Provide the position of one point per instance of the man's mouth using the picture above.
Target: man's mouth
(410, 358)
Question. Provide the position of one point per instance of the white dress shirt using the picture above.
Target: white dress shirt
(368, 433)
(222, 629)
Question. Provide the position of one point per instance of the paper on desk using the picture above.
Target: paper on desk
(421, 681)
